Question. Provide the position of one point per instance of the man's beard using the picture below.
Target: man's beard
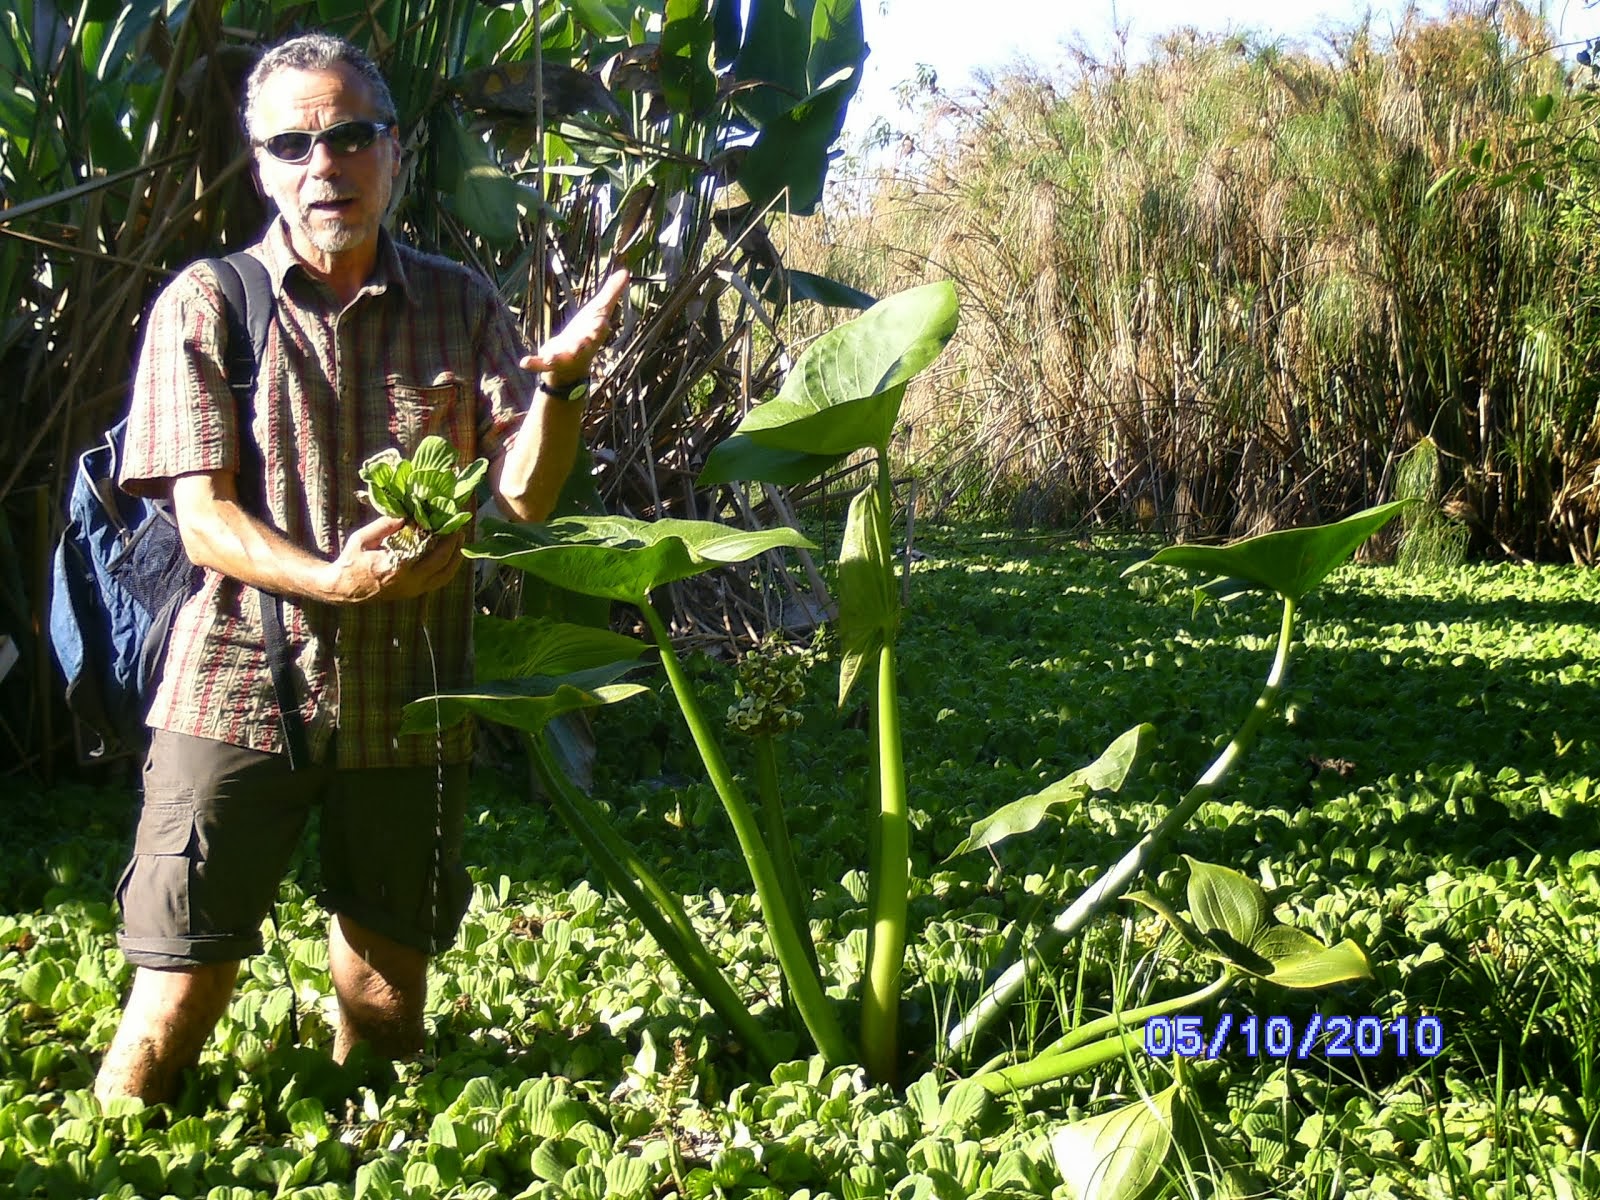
(337, 236)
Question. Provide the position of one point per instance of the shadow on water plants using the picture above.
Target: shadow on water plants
(843, 397)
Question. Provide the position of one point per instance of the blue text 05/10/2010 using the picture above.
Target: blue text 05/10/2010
(1282, 1037)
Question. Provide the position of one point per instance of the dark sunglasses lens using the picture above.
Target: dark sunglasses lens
(289, 147)
(347, 137)
(350, 136)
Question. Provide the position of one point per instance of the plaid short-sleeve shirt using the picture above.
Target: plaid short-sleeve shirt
(426, 347)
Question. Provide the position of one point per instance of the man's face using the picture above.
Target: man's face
(333, 203)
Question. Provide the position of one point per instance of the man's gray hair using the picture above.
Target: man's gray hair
(313, 52)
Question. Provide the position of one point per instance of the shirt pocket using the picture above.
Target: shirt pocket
(442, 408)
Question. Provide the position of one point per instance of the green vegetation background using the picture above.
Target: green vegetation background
(1432, 794)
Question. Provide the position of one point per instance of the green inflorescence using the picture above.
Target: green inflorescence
(769, 689)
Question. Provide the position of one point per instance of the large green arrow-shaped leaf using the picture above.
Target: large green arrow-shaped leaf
(739, 457)
(1290, 562)
(844, 394)
(528, 704)
(527, 646)
(1107, 773)
(621, 558)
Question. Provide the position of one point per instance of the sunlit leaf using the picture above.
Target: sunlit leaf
(468, 477)
(433, 453)
(380, 467)
(1119, 1155)
(620, 558)
(844, 394)
(1300, 960)
(513, 648)
(1290, 562)
(1221, 899)
(527, 704)
(1107, 773)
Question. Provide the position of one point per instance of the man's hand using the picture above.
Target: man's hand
(565, 358)
(365, 571)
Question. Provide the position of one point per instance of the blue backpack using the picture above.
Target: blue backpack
(120, 571)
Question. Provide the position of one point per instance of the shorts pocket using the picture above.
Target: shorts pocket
(442, 408)
(154, 890)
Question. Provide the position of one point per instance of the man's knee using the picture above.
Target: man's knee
(381, 986)
(169, 1015)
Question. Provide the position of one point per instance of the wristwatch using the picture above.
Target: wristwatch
(576, 391)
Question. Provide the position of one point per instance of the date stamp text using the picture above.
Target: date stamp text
(1281, 1037)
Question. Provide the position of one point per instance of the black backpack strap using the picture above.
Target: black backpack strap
(247, 292)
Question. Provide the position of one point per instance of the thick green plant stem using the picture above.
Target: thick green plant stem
(1115, 1022)
(788, 939)
(891, 872)
(772, 816)
(1114, 882)
(658, 909)
(1060, 1066)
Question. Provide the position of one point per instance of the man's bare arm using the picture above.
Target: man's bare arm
(220, 534)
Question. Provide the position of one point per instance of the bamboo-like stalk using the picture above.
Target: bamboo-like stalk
(1116, 880)
(805, 986)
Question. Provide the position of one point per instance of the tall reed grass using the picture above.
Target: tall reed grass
(1219, 290)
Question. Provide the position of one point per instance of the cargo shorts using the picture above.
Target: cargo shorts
(220, 824)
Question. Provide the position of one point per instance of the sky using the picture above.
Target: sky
(954, 37)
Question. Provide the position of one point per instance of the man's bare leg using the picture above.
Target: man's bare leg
(382, 987)
(168, 1017)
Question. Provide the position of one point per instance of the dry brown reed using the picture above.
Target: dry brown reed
(1218, 291)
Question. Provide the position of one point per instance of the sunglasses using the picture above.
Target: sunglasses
(347, 137)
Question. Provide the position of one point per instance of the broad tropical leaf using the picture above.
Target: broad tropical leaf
(740, 457)
(620, 558)
(1222, 900)
(1290, 562)
(844, 394)
(524, 646)
(1107, 773)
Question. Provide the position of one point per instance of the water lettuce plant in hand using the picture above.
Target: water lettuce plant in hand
(428, 491)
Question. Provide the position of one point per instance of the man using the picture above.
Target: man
(372, 345)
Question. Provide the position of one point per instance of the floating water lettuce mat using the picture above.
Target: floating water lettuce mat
(1429, 790)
